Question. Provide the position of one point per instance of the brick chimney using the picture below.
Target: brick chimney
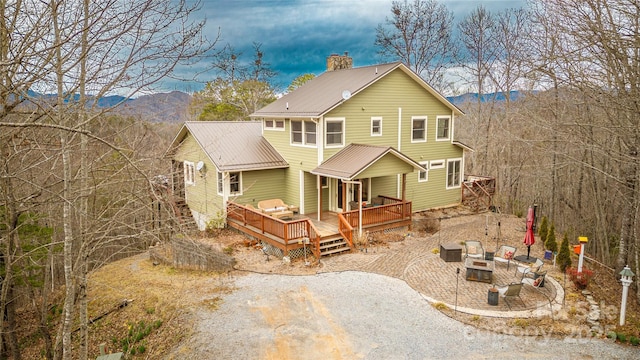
(339, 62)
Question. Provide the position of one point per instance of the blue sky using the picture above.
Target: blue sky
(298, 35)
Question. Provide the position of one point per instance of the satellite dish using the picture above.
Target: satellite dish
(200, 165)
(346, 94)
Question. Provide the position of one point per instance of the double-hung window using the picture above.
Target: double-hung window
(233, 183)
(418, 128)
(454, 173)
(334, 132)
(303, 132)
(376, 126)
(443, 128)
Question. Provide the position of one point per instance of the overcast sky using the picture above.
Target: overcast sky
(298, 35)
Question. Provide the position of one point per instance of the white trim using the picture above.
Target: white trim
(425, 171)
(343, 135)
(226, 184)
(189, 173)
(376, 118)
(301, 193)
(425, 119)
(274, 127)
(399, 129)
(449, 161)
(438, 118)
(436, 164)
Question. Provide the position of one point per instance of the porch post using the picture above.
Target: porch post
(319, 184)
(404, 187)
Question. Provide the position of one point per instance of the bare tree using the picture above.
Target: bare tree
(81, 51)
(419, 35)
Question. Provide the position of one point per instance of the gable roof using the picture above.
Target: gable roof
(351, 161)
(323, 93)
(233, 145)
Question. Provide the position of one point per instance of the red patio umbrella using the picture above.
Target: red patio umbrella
(529, 238)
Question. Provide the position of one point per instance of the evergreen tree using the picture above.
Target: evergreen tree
(563, 261)
(543, 229)
(551, 244)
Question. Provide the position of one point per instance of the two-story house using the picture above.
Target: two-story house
(372, 135)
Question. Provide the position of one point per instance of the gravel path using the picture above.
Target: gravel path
(357, 315)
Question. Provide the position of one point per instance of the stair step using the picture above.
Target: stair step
(334, 251)
(332, 244)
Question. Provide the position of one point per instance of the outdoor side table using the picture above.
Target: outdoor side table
(451, 252)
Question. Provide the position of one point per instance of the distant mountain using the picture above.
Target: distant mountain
(161, 107)
(473, 97)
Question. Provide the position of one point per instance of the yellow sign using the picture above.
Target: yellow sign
(582, 239)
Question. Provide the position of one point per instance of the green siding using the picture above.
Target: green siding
(383, 99)
(386, 165)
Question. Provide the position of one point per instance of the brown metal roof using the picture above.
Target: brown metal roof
(233, 145)
(349, 162)
(323, 93)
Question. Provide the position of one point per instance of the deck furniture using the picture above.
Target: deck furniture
(505, 254)
(528, 270)
(474, 249)
(479, 270)
(510, 291)
(276, 208)
(451, 252)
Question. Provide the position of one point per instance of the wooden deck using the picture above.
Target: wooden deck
(324, 236)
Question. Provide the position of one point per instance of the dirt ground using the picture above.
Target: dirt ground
(162, 300)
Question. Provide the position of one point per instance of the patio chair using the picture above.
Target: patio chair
(505, 254)
(473, 249)
(528, 270)
(537, 282)
(510, 291)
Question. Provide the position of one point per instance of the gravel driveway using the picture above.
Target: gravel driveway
(357, 315)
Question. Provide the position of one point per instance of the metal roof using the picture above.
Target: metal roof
(323, 93)
(351, 161)
(233, 145)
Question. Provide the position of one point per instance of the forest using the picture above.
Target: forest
(80, 185)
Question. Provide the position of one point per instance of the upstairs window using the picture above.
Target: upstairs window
(436, 164)
(376, 126)
(334, 132)
(271, 124)
(443, 128)
(303, 133)
(418, 129)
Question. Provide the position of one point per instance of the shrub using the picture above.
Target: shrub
(634, 341)
(622, 338)
(563, 261)
(580, 279)
(543, 229)
(551, 244)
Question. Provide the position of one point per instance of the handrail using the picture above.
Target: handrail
(346, 230)
(314, 238)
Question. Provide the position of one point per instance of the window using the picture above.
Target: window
(334, 132)
(271, 124)
(303, 133)
(189, 173)
(423, 175)
(442, 127)
(453, 173)
(376, 126)
(436, 164)
(310, 132)
(234, 182)
(418, 129)
(324, 182)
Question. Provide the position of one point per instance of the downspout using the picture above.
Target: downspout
(320, 144)
(359, 203)
(399, 148)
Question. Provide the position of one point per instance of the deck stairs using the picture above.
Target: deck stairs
(333, 245)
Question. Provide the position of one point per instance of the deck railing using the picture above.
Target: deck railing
(289, 234)
(392, 210)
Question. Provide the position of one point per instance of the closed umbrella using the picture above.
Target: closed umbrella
(529, 238)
